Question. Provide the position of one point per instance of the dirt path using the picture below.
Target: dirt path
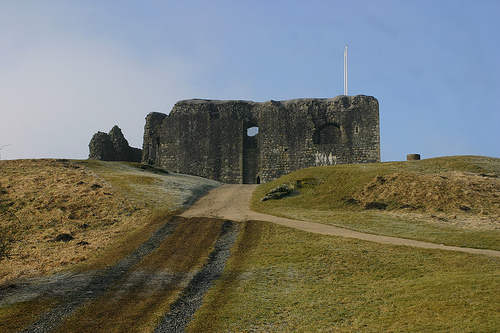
(232, 202)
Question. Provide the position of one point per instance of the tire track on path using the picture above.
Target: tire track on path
(233, 202)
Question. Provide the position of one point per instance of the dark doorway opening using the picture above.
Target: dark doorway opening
(251, 153)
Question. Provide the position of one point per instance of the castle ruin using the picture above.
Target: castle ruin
(113, 147)
(249, 142)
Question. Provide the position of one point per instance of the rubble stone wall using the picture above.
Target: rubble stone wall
(113, 146)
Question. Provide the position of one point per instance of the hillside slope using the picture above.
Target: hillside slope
(58, 213)
(415, 199)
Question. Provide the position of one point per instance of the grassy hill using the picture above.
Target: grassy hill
(277, 279)
(102, 205)
(449, 200)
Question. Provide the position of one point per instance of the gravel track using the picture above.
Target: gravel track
(191, 299)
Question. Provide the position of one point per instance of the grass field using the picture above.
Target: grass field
(277, 279)
(284, 280)
(113, 208)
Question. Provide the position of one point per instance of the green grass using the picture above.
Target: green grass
(322, 199)
(326, 187)
(392, 225)
(284, 280)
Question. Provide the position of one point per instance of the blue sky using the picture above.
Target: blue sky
(71, 68)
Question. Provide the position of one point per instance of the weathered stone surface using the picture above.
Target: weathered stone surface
(209, 138)
(101, 147)
(279, 192)
(152, 131)
(113, 147)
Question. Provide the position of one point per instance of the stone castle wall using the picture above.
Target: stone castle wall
(211, 138)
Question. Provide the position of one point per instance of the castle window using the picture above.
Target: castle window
(252, 131)
(356, 130)
(250, 141)
(327, 134)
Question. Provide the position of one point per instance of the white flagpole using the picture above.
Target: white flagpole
(345, 70)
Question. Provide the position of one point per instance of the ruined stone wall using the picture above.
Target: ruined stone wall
(210, 139)
(151, 142)
(112, 146)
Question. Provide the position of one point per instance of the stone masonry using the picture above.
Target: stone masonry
(248, 142)
(112, 147)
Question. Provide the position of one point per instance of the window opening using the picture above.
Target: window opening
(328, 134)
(252, 131)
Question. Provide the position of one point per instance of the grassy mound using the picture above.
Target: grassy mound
(59, 213)
(425, 200)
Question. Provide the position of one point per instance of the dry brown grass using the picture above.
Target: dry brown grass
(451, 191)
(52, 197)
(460, 199)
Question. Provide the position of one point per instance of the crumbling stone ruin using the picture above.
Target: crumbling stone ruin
(113, 147)
(249, 142)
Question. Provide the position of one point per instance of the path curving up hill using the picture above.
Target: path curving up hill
(232, 202)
